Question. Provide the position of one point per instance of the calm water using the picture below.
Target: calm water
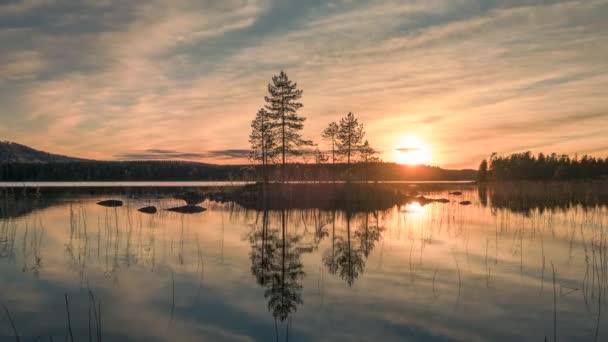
(178, 183)
(438, 272)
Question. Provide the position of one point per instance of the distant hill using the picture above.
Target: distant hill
(22, 163)
(11, 152)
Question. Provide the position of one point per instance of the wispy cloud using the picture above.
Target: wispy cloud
(100, 77)
(160, 154)
(408, 149)
(20, 65)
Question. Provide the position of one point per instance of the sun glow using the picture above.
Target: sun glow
(413, 208)
(413, 151)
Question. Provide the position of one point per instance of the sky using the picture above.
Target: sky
(182, 79)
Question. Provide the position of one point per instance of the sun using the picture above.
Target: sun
(413, 151)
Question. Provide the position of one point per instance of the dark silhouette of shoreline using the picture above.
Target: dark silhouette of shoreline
(542, 167)
(189, 171)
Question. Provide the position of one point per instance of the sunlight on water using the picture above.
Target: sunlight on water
(413, 272)
(413, 208)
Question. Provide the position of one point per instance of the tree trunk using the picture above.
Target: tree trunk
(283, 136)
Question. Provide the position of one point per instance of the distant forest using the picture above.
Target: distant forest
(542, 167)
(188, 171)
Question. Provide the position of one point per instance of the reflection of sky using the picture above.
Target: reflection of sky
(112, 79)
(408, 290)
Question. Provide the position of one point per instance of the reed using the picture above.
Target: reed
(10, 319)
(67, 309)
(554, 305)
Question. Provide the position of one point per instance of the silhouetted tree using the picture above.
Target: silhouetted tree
(368, 155)
(349, 138)
(263, 141)
(330, 134)
(320, 157)
(282, 105)
(483, 171)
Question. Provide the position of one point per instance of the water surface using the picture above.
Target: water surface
(438, 272)
(98, 184)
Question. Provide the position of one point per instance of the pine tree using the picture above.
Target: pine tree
(320, 157)
(282, 105)
(368, 155)
(263, 141)
(330, 134)
(349, 138)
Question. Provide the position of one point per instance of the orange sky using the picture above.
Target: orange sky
(183, 79)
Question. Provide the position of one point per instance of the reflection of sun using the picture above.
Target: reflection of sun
(413, 207)
(413, 151)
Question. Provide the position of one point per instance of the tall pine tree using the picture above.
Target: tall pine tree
(282, 105)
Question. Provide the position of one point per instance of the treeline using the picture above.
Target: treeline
(11, 152)
(187, 171)
(119, 171)
(542, 167)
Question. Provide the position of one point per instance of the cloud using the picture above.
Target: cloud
(430, 119)
(94, 78)
(20, 65)
(15, 7)
(408, 149)
(160, 154)
(228, 154)
(602, 149)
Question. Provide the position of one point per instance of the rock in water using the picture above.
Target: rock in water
(110, 203)
(423, 200)
(187, 209)
(465, 203)
(192, 198)
(457, 193)
(148, 210)
(442, 200)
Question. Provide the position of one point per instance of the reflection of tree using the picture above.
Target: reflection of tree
(329, 257)
(347, 255)
(368, 236)
(349, 260)
(320, 229)
(482, 191)
(277, 267)
(263, 249)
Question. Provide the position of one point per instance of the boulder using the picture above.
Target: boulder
(465, 203)
(110, 203)
(187, 209)
(148, 210)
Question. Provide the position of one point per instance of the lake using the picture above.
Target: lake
(517, 264)
(160, 184)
